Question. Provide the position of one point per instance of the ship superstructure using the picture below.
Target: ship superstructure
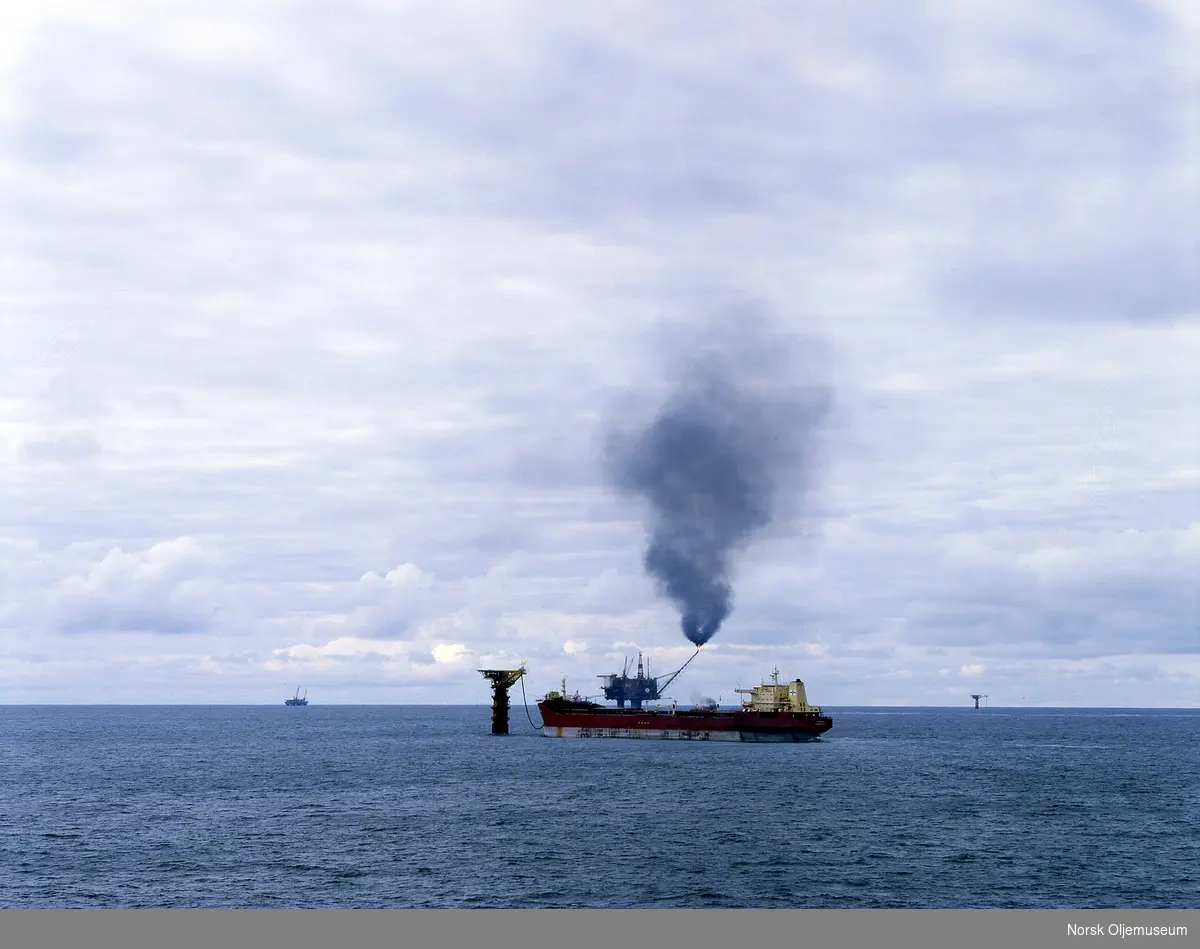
(776, 697)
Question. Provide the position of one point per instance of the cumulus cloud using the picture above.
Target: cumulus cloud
(393, 654)
(167, 588)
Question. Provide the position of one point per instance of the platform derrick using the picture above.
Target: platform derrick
(502, 680)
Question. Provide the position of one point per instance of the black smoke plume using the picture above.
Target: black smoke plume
(728, 451)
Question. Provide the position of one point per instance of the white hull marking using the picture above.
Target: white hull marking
(568, 731)
(564, 731)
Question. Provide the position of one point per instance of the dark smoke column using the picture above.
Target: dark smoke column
(728, 450)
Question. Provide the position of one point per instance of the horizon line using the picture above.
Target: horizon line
(487, 705)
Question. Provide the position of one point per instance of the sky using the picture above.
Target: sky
(314, 319)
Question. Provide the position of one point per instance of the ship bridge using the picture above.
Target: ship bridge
(778, 697)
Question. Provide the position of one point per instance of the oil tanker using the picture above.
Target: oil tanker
(772, 711)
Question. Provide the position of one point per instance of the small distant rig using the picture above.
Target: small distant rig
(977, 698)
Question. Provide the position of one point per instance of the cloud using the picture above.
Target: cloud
(165, 589)
(393, 654)
(311, 319)
(69, 448)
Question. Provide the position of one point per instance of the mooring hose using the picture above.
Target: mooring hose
(525, 702)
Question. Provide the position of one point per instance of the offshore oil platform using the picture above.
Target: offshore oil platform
(502, 680)
(775, 711)
(297, 699)
(640, 688)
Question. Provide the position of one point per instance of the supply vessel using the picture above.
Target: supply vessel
(772, 711)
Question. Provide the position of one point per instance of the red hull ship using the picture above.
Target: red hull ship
(772, 712)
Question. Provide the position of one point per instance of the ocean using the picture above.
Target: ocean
(413, 806)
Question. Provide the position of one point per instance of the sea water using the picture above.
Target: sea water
(410, 806)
